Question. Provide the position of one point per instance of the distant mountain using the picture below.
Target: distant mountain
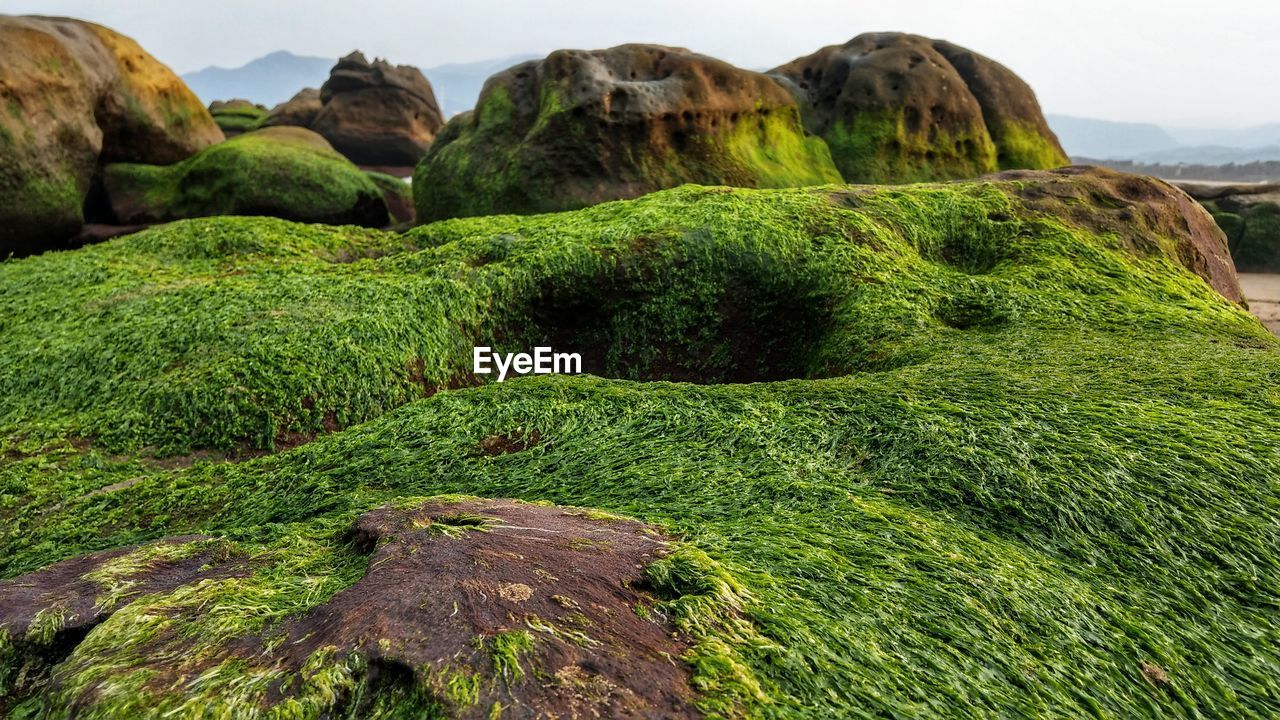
(269, 80)
(1211, 155)
(1105, 139)
(458, 85)
(1257, 136)
(1151, 144)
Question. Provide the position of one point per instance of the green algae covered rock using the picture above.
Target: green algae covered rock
(1013, 455)
(236, 117)
(281, 172)
(903, 108)
(581, 127)
(1249, 215)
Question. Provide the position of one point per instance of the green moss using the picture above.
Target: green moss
(1024, 147)
(39, 207)
(879, 148)
(238, 118)
(505, 649)
(498, 162)
(280, 172)
(1006, 462)
(1254, 236)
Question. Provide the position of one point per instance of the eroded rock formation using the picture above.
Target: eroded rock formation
(581, 127)
(902, 108)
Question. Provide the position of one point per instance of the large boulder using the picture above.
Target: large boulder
(283, 172)
(76, 95)
(581, 127)
(378, 113)
(903, 108)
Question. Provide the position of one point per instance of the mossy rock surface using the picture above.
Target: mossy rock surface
(76, 95)
(283, 172)
(581, 127)
(903, 108)
(236, 117)
(1015, 455)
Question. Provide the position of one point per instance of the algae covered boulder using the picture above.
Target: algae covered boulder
(895, 107)
(235, 117)
(74, 95)
(1249, 214)
(581, 127)
(281, 172)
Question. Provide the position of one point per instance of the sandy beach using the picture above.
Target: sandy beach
(1262, 290)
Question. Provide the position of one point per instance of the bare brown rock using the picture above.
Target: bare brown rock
(471, 605)
(378, 113)
(300, 110)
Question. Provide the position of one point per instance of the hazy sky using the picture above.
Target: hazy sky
(1165, 61)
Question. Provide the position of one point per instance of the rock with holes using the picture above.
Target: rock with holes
(76, 95)
(471, 607)
(903, 108)
(581, 127)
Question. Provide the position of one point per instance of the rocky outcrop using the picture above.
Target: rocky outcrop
(284, 172)
(77, 95)
(1249, 214)
(902, 108)
(300, 110)
(377, 114)
(238, 116)
(581, 127)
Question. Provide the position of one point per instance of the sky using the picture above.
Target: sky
(1172, 62)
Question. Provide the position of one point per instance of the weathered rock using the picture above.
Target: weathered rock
(44, 614)
(378, 113)
(238, 116)
(1137, 210)
(76, 95)
(902, 108)
(300, 110)
(581, 127)
(536, 609)
(284, 172)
